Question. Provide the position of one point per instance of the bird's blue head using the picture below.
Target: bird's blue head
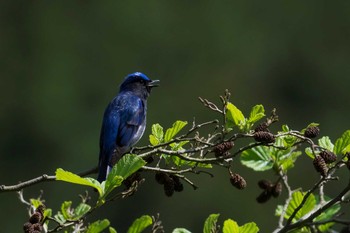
(138, 83)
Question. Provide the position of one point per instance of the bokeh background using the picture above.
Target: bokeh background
(62, 62)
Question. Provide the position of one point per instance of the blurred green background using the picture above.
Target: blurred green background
(62, 62)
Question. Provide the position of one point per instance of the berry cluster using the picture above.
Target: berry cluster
(269, 190)
(34, 225)
(171, 183)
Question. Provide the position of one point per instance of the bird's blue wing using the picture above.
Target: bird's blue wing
(109, 132)
(132, 120)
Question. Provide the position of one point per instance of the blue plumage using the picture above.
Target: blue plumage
(124, 121)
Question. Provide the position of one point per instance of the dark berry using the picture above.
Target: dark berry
(264, 196)
(320, 165)
(221, 148)
(238, 181)
(328, 156)
(262, 136)
(311, 132)
(277, 189)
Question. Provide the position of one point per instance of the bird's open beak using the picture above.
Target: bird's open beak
(154, 83)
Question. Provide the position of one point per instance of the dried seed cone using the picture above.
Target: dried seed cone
(262, 127)
(277, 189)
(27, 227)
(161, 177)
(169, 187)
(320, 165)
(35, 218)
(312, 132)
(238, 181)
(264, 196)
(178, 186)
(264, 184)
(220, 149)
(262, 136)
(328, 156)
(37, 227)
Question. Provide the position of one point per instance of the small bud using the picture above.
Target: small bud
(320, 165)
(264, 184)
(277, 189)
(311, 132)
(238, 181)
(262, 127)
(264, 196)
(221, 148)
(328, 156)
(262, 136)
(35, 218)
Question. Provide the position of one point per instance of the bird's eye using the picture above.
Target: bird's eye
(142, 81)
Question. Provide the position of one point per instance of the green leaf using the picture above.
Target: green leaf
(326, 143)
(98, 226)
(285, 128)
(36, 202)
(308, 151)
(175, 129)
(127, 165)
(81, 210)
(257, 158)
(256, 113)
(210, 223)
(140, 224)
(230, 226)
(65, 209)
(75, 179)
(234, 117)
(181, 230)
(250, 227)
(60, 218)
(157, 135)
(112, 230)
(342, 144)
(296, 200)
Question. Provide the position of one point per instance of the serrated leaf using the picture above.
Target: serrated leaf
(234, 117)
(296, 200)
(98, 226)
(257, 158)
(175, 129)
(66, 210)
(210, 223)
(59, 217)
(326, 143)
(250, 227)
(75, 179)
(230, 226)
(181, 230)
(140, 224)
(309, 153)
(256, 113)
(112, 230)
(36, 202)
(127, 165)
(81, 210)
(157, 135)
(341, 145)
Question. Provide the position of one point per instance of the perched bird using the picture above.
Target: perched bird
(124, 121)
